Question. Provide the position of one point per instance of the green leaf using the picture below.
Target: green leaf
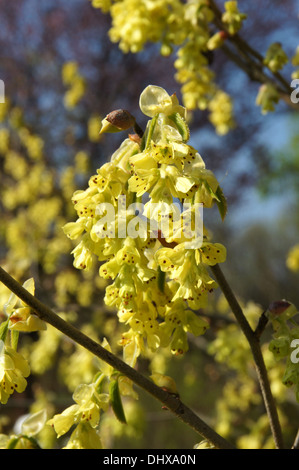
(213, 193)
(146, 140)
(116, 402)
(219, 198)
(221, 203)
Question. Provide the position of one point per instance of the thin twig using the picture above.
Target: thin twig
(254, 60)
(253, 341)
(296, 442)
(171, 401)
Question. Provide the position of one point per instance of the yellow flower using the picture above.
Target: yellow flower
(21, 317)
(86, 409)
(84, 437)
(13, 369)
(154, 100)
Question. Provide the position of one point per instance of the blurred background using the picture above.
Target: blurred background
(49, 147)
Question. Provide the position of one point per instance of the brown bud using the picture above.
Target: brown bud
(278, 307)
(121, 119)
(223, 35)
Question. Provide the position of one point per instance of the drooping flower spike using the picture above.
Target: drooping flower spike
(141, 216)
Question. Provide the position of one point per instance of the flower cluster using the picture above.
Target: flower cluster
(21, 317)
(13, 370)
(275, 57)
(285, 339)
(267, 97)
(232, 17)
(90, 401)
(85, 414)
(13, 366)
(159, 273)
(181, 26)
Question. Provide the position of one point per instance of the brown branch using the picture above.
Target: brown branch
(173, 403)
(262, 323)
(253, 341)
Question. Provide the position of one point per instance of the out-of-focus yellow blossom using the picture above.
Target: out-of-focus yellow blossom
(80, 366)
(76, 84)
(33, 143)
(4, 108)
(67, 181)
(112, 428)
(66, 285)
(4, 139)
(173, 23)
(74, 94)
(257, 438)
(275, 372)
(69, 72)
(16, 117)
(267, 97)
(136, 22)
(105, 5)
(43, 352)
(295, 58)
(221, 115)
(293, 258)
(15, 165)
(81, 162)
(275, 57)
(295, 63)
(93, 128)
(229, 346)
(232, 18)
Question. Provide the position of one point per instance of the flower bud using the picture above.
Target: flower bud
(116, 121)
(278, 307)
(217, 40)
(282, 308)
